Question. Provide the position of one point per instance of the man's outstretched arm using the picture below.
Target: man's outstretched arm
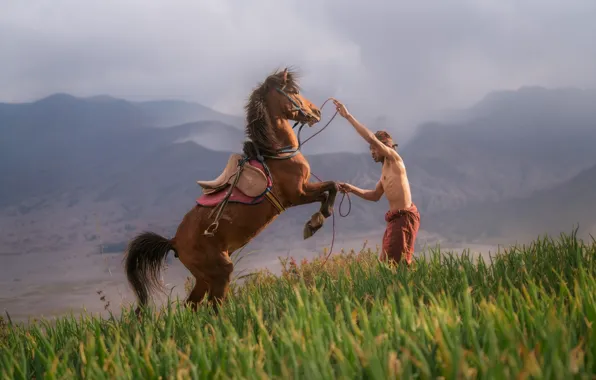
(363, 131)
(369, 195)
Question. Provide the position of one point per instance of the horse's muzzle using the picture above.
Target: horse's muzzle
(314, 117)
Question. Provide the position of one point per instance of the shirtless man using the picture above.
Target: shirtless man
(403, 219)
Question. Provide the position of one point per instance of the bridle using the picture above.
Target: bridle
(299, 108)
(289, 152)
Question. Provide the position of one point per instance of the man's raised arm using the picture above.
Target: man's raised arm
(364, 132)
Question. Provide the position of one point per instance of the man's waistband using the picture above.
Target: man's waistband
(390, 215)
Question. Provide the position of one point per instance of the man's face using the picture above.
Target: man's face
(376, 156)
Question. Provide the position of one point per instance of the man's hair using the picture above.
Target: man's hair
(385, 138)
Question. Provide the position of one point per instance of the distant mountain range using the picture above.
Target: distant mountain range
(511, 144)
(61, 142)
(550, 211)
(79, 172)
(66, 111)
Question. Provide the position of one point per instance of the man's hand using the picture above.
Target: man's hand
(341, 109)
(345, 187)
(369, 195)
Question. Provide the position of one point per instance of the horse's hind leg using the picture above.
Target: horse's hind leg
(219, 276)
(212, 281)
(213, 275)
(197, 293)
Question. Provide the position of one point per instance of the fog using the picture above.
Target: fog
(402, 62)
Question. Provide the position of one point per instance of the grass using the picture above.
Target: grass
(529, 313)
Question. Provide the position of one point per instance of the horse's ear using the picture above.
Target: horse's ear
(284, 77)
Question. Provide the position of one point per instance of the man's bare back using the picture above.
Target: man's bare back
(403, 219)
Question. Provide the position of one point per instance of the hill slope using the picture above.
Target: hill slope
(66, 112)
(69, 160)
(95, 160)
(544, 212)
(271, 326)
(509, 145)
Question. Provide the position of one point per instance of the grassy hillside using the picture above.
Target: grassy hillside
(528, 313)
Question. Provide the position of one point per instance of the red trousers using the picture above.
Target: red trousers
(400, 234)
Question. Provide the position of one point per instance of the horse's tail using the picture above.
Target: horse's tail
(144, 258)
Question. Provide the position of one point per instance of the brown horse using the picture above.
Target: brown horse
(270, 106)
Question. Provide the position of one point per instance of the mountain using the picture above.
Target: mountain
(563, 104)
(80, 172)
(549, 211)
(73, 166)
(154, 190)
(61, 143)
(64, 111)
(214, 135)
(165, 113)
(511, 144)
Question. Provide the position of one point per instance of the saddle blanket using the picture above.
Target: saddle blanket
(237, 196)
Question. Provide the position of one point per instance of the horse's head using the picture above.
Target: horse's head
(283, 90)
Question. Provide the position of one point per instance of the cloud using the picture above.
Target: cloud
(396, 59)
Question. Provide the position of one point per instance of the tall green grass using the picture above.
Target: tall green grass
(527, 313)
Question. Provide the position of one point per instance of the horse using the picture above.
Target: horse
(271, 162)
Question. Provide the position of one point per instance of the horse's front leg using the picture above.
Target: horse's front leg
(324, 192)
(327, 204)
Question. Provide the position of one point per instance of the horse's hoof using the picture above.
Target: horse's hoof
(316, 220)
(313, 225)
(307, 232)
(310, 230)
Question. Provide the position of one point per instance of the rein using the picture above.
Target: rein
(333, 219)
(292, 152)
(344, 195)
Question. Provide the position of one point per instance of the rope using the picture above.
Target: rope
(343, 194)
(320, 130)
(333, 220)
(292, 152)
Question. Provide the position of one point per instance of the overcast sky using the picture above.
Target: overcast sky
(396, 58)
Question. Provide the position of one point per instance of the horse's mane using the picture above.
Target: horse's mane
(259, 128)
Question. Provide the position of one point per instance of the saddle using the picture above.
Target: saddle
(252, 181)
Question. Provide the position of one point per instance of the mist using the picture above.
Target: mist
(402, 62)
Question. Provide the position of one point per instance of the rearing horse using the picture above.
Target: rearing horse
(205, 250)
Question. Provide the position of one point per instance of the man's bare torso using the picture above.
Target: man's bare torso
(395, 184)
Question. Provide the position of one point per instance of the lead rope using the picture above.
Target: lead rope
(292, 152)
(333, 220)
(211, 229)
(343, 194)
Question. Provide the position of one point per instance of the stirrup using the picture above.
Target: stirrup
(210, 231)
